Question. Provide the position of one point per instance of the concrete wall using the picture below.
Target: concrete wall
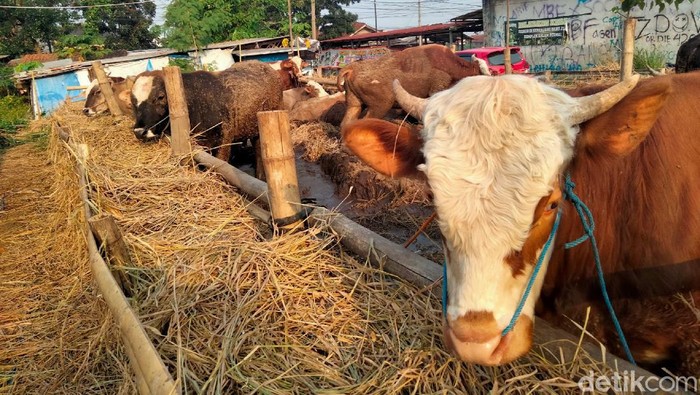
(573, 35)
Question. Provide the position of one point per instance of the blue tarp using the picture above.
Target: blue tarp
(269, 58)
(52, 92)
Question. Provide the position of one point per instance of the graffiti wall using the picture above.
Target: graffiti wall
(571, 35)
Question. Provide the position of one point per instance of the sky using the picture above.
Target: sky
(398, 14)
(391, 14)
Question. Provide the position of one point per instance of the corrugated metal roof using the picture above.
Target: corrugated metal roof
(413, 31)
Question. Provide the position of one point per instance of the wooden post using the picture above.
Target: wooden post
(277, 154)
(106, 88)
(627, 61)
(107, 233)
(177, 106)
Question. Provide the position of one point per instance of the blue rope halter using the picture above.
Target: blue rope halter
(588, 227)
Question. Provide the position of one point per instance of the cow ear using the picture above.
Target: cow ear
(389, 148)
(125, 96)
(621, 129)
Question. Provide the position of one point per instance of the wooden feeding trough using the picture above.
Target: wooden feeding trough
(280, 196)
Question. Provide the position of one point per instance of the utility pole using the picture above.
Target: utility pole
(289, 11)
(506, 52)
(376, 27)
(420, 38)
(313, 18)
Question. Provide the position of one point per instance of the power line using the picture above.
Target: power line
(68, 7)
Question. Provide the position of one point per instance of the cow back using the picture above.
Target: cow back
(252, 86)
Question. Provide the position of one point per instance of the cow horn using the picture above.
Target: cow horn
(589, 107)
(656, 73)
(411, 104)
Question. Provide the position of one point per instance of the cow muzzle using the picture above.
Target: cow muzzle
(481, 342)
(89, 112)
(144, 134)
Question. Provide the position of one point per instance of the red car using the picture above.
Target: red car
(495, 58)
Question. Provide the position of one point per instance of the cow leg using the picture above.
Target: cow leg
(379, 111)
(224, 151)
(259, 168)
(353, 108)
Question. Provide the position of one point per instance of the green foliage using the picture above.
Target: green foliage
(83, 47)
(27, 30)
(337, 23)
(27, 66)
(191, 24)
(7, 84)
(14, 114)
(185, 64)
(643, 58)
(120, 27)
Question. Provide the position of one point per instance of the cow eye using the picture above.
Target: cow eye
(161, 96)
(552, 206)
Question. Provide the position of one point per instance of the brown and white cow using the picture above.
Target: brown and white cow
(422, 71)
(96, 103)
(494, 151)
(289, 71)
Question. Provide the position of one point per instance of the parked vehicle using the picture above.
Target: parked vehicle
(495, 58)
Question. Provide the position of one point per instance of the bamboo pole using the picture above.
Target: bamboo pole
(144, 358)
(107, 233)
(177, 107)
(106, 88)
(627, 61)
(278, 160)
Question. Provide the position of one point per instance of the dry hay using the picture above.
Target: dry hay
(229, 309)
(321, 143)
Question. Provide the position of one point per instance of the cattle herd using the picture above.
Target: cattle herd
(501, 157)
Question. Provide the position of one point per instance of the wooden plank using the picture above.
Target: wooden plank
(106, 88)
(177, 107)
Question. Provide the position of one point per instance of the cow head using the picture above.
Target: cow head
(95, 103)
(492, 150)
(150, 104)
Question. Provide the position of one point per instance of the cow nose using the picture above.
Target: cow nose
(139, 132)
(475, 327)
(86, 111)
(476, 338)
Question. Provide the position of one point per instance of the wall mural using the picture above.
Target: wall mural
(580, 34)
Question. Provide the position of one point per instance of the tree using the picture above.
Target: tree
(197, 23)
(121, 27)
(337, 23)
(29, 30)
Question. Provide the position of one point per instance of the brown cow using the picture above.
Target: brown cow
(329, 109)
(422, 70)
(96, 102)
(495, 152)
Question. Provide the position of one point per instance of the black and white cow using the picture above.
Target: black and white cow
(222, 105)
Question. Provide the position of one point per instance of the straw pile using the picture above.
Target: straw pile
(230, 309)
(321, 143)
